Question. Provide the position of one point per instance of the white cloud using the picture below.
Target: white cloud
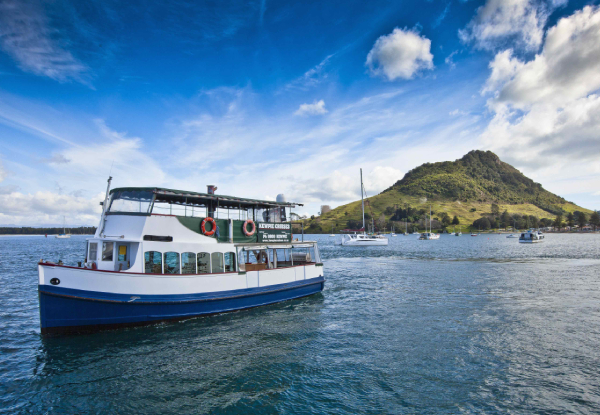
(498, 22)
(47, 208)
(56, 158)
(547, 110)
(316, 108)
(3, 172)
(27, 37)
(401, 54)
(310, 78)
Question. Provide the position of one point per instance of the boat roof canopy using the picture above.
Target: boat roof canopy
(182, 197)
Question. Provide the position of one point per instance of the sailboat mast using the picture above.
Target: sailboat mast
(362, 199)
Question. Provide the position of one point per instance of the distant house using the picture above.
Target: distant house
(325, 209)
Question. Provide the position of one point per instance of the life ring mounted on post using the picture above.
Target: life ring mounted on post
(213, 229)
(245, 227)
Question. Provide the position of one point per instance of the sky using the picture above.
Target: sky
(262, 97)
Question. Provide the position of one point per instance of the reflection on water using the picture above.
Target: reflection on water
(470, 325)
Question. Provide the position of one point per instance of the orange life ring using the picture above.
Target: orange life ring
(245, 227)
(214, 226)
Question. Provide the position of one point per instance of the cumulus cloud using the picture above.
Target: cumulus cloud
(547, 110)
(498, 22)
(401, 54)
(316, 108)
(25, 34)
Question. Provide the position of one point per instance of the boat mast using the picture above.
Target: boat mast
(429, 218)
(362, 200)
(104, 207)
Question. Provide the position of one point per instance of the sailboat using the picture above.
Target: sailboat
(405, 227)
(332, 234)
(363, 239)
(393, 233)
(458, 233)
(514, 235)
(63, 235)
(429, 235)
(475, 234)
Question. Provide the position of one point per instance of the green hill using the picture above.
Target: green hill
(465, 188)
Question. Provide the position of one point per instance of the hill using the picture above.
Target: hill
(475, 186)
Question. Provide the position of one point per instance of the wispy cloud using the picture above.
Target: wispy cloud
(26, 35)
(310, 78)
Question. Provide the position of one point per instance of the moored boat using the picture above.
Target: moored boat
(162, 254)
(531, 237)
(363, 239)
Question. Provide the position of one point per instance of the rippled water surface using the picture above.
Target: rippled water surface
(458, 325)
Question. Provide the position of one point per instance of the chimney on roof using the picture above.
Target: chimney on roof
(211, 189)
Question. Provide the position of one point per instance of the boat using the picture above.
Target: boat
(532, 236)
(512, 235)
(363, 239)
(428, 235)
(393, 233)
(459, 233)
(165, 255)
(416, 233)
(63, 235)
(475, 234)
(332, 235)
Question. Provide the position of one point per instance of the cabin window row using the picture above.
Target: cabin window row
(188, 262)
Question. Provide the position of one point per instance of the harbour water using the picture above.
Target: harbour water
(457, 325)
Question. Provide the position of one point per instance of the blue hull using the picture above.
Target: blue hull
(67, 310)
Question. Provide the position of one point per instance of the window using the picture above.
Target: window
(188, 263)
(283, 258)
(241, 260)
(93, 251)
(229, 262)
(217, 262)
(131, 201)
(153, 262)
(203, 263)
(107, 251)
(171, 262)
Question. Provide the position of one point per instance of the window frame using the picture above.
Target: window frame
(160, 255)
(112, 251)
(194, 262)
(178, 263)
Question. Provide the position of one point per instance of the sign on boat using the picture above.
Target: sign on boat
(161, 254)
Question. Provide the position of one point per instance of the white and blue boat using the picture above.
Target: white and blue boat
(166, 255)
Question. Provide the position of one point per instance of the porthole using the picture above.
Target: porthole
(54, 281)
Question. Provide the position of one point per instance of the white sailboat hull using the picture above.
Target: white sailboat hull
(363, 240)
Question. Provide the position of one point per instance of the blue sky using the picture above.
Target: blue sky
(261, 98)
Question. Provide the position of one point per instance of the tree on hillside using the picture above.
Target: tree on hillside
(482, 223)
(381, 222)
(558, 221)
(533, 221)
(495, 209)
(582, 219)
(455, 220)
(570, 219)
(595, 220)
(505, 219)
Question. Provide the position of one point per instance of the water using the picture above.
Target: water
(458, 325)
